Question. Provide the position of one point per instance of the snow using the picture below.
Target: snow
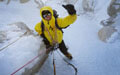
(90, 55)
(22, 13)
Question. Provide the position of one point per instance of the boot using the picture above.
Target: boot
(68, 55)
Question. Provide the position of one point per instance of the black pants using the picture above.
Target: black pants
(62, 46)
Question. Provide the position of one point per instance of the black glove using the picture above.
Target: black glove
(70, 8)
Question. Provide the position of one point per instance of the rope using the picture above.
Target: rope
(13, 42)
(55, 44)
(54, 64)
(54, 41)
(69, 64)
(26, 64)
(29, 62)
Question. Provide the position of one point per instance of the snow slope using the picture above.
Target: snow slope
(91, 56)
(16, 12)
(27, 47)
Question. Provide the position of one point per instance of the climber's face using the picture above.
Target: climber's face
(47, 15)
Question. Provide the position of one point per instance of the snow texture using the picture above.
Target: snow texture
(90, 55)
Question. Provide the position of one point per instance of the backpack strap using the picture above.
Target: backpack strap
(42, 35)
(56, 24)
(42, 26)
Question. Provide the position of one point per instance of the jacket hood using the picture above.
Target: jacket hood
(46, 8)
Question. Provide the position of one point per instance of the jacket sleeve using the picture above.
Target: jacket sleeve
(66, 21)
(38, 28)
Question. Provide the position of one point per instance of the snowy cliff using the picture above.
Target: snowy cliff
(93, 39)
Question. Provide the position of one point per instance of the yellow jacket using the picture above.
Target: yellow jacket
(50, 29)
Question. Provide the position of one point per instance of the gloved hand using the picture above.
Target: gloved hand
(70, 8)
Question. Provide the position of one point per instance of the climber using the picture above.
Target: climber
(50, 28)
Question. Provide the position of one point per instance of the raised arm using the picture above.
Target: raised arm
(64, 22)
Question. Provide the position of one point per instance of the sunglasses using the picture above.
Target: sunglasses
(47, 14)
